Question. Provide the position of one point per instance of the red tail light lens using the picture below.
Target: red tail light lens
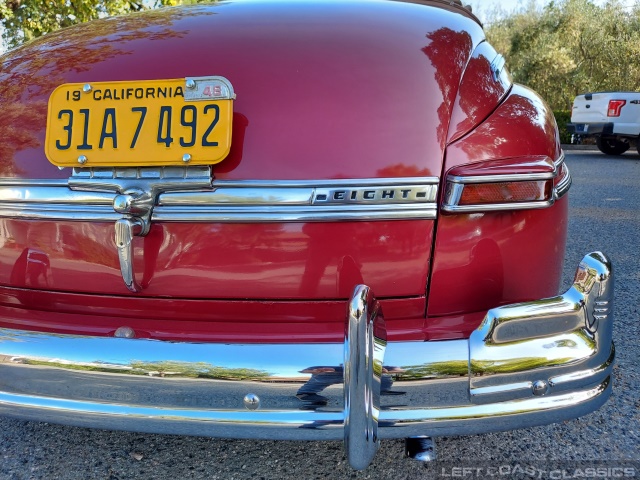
(614, 107)
(516, 183)
(506, 192)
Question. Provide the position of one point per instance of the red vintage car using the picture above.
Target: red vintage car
(197, 205)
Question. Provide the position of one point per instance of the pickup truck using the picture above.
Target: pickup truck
(613, 118)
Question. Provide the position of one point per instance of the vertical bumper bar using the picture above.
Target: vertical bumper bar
(365, 343)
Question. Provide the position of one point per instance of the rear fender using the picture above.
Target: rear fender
(485, 259)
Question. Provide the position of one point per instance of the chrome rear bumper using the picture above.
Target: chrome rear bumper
(527, 364)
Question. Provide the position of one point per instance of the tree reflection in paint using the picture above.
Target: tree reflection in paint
(29, 74)
(480, 92)
(523, 121)
(448, 51)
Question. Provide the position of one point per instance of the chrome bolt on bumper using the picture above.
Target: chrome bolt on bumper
(251, 401)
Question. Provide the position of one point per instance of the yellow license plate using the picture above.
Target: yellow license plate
(140, 123)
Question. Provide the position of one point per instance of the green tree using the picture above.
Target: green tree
(23, 20)
(571, 47)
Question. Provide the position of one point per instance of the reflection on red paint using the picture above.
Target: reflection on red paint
(449, 52)
(480, 92)
(277, 261)
(306, 117)
(483, 260)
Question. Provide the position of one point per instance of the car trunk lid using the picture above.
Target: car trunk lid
(326, 106)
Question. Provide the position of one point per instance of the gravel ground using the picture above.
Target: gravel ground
(605, 201)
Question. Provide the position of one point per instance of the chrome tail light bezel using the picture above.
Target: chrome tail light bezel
(455, 184)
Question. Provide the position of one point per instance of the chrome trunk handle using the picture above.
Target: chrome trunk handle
(126, 229)
(137, 191)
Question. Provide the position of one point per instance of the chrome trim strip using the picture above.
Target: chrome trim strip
(501, 412)
(562, 188)
(103, 213)
(225, 196)
(341, 182)
(511, 387)
(430, 388)
(299, 214)
(7, 182)
(33, 211)
(279, 196)
(523, 177)
(497, 65)
(307, 425)
(498, 207)
(452, 196)
(52, 195)
(89, 198)
(560, 160)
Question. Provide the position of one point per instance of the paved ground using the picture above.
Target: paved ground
(605, 214)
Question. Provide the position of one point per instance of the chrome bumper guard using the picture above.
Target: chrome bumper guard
(527, 364)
